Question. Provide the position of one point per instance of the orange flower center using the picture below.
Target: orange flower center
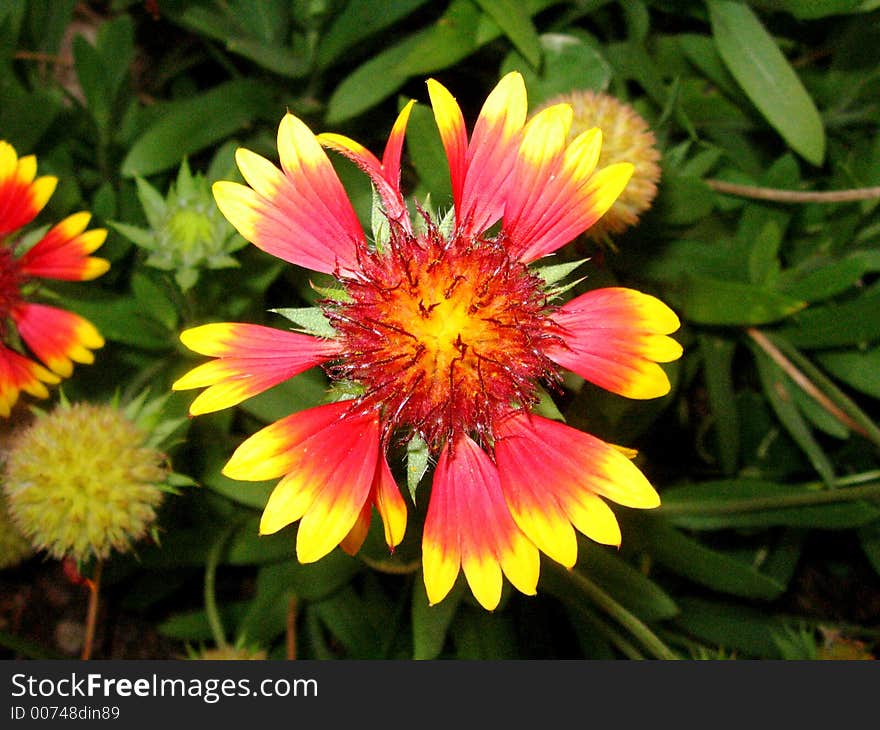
(444, 336)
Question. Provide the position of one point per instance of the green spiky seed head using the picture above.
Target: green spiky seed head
(14, 547)
(80, 481)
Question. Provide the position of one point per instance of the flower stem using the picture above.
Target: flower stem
(634, 625)
(214, 620)
(807, 385)
(794, 196)
(291, 627)
(752, 504)
(92, 612)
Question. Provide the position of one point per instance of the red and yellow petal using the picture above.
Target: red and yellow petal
(250, 359)
(492, 153)
(453, 135)
(63, 253)
(554, 199)
(18, 373)
(385, 175)
(536, 184)
(300, 213)
(614, 337)
(478, 171)
(551, 473)
(469, 527)
(328, 456)
(385, 496)
(354, 540)
(57, 337)
(21, 196)
(272, 451)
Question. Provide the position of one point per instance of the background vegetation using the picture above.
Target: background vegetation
(765, 453)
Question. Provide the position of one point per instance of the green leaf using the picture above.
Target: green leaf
(450, 39)
(869, 539)
(858, 369)
(765, 75)
(278, 59)
(852, 322)
(631, 588)
(516, 24)
(418, 458)
(690, 558)
(683, 200)
(358, 20)
(350, 620)
(820, 8)
(190, 125)
(257, 31)
(26, 116)
(460, 31)
(302, 391)
(570, 63)
(122, 319)
(717, 357)
(764, 264)
(703, 53)
(139, 236)
(826, 386)
(252, 494)
(247, 546)
(777, 389)
(154, 299)
(731, 626)
(551, 273)
(277, 583)
(311, 320)
(480, 635)
(426, 153)
(379, 224)
(546, 406)
(115, 41)
(194, 625)
(819, 278)
(741, 503)
(430, 624)
(818, 415)
(90, 74)
(706, 300)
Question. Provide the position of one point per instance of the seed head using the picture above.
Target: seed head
(80, 482)
(626, 137)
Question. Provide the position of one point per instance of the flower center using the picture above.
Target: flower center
(444, 336)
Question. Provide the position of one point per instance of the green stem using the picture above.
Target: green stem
(624, 646)
(214, 620)
(794, 196)
(634, 625)
(753, 504)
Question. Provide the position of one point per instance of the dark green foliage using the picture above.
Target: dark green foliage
(765, 451)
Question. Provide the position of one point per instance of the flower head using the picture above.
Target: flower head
(625, 136)
(442, 332)
(14, 547)
(187, 233)
(40, 343)
(82, 481)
